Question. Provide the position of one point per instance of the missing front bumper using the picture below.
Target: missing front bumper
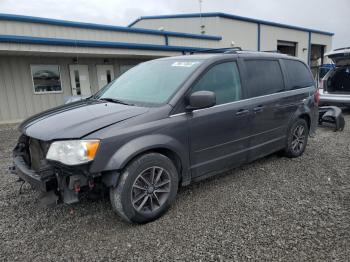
(53, 187)
(41, 183)
(332, 115)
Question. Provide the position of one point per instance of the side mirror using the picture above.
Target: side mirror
(201, 99)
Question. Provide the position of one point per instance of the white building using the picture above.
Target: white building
(42, 60)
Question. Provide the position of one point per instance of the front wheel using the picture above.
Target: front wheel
(297, 138)
(146, 189)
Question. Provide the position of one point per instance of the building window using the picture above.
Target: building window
(109, 77)
(77, 82)
(288, 48)
(46, 79)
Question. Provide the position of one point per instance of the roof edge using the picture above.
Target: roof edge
(90, 43)
(234, 17)
(50, 21)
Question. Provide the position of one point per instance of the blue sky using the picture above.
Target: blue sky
(324, 15)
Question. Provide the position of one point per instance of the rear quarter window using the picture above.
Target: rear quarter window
(299, 75)
(264, 77)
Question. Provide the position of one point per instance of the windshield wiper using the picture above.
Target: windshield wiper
(113, 100)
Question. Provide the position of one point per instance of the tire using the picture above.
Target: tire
(294, 148)
(136, 201)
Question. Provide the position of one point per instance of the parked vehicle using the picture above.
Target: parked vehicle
(322, 71)
(335, 85)
(169, 122)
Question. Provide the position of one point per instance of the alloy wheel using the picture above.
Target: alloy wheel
(298, 140)
(150, 190)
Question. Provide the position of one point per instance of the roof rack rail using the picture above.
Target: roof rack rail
(224, 50)
(272, 51)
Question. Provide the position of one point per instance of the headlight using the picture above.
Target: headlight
(73, 152)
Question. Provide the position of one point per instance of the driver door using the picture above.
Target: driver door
(219, 134)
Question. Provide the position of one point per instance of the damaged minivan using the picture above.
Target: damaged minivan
(335, 85)
(166, 123)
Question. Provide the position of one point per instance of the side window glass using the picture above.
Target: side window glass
(264, 77)
(299, 75)
(222, 79)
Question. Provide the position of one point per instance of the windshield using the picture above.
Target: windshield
(150, 83)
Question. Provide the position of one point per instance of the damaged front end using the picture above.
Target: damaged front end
(58, 183)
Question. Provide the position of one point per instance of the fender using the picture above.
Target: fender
(146, 143)
(304, 109)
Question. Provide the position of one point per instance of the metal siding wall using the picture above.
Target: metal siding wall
(177, 41)
(185, 25)
(270, 35)
(244, 34)
(325, 40)
(5, 110)
(17, 98)
(53, 31)
(70, 50)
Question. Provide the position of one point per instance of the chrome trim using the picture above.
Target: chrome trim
(280, 94)
(179, 114)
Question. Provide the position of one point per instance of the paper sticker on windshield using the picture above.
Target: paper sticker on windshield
(185, 64)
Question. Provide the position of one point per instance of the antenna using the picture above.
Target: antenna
(202, 26)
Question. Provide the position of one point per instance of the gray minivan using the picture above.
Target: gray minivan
(165, 123)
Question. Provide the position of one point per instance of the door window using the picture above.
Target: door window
(299, 75)
(264, 77)
(222, 79)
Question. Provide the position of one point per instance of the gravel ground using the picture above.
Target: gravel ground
(273, 209)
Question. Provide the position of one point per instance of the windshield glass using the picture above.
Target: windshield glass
(150, 83)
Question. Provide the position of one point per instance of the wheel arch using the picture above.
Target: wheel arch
(304, 113)
(161, 144)
(307, 118)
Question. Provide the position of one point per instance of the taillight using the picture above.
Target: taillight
(317, 96)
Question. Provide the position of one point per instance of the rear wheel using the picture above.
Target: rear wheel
(297, 138)
(146, 190)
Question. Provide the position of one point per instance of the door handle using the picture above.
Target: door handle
(242, 112)
(258, 109)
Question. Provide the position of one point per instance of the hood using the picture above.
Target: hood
(77, 119)
(340, 57)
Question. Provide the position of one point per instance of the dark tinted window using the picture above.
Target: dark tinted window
(298, 74)
(264, 77)
(222, 79)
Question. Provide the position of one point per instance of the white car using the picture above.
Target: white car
(335, 85)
